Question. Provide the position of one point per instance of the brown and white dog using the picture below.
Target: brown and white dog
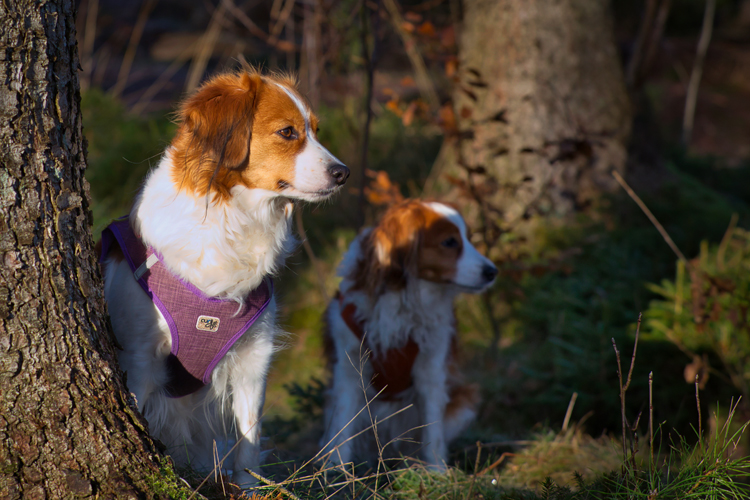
(396, 300)
(216, 213)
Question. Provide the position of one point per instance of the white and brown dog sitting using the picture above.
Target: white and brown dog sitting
(187, 275)
(400, 279)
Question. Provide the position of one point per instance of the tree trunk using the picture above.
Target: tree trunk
(541, 109)
(66, 429)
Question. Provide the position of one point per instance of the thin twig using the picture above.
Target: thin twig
(476, 469)
(424, 83)
(221, 462)
(207, 43)
(635, 347)
(371, 59)
(656, 34)
(268, 482)
(695, 77)
(274, 14)
(373, 425)
(87, 48)
(624, 388)
(622, 400)
(652, 218)
(281, 20)
(291, 57)
(373, 421)
(700, 418)
(497, 462)
(634, 439)
(725, 242)
(311, 43)
(569, 411)
(160, 82)
(635, 63)
(651, 417)
(497, 444)
(135, 38)
(103, 56)
(254, 29)
(218, 476)
(367, 404)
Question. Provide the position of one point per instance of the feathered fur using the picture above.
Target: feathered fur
(402, 277)
(218, 209)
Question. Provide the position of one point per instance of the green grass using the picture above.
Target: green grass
(168, 484)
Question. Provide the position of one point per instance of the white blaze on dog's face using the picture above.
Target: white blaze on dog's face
(313, 161)
(447, 256)
(424, 240)
(261, 133)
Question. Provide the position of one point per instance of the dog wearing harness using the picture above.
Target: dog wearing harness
(187, 275)
(203, 328)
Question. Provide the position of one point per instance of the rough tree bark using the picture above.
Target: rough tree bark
(66, 428)
(541, 109)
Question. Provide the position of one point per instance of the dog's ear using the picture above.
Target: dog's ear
(391, 249)
(219, 118)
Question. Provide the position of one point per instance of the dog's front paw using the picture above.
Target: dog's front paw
(245, 478)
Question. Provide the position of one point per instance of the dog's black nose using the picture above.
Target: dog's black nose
(340, 173)
(489, 273)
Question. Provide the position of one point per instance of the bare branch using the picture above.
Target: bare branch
(651, 217)
(569, 411)
(135, 38)
(695, 77)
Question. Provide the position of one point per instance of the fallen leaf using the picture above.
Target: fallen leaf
(408, 27)
(448, 37)
(408, 117)
(393, 106)
(413, 16)
(451, 66)
(426, 29)
(447, 118)
(408, 81)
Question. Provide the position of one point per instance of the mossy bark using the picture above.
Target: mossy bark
(66, 428)
(541, 107)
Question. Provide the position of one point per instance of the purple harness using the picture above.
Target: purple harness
(203, 328)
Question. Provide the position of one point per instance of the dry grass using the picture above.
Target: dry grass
(559, 456)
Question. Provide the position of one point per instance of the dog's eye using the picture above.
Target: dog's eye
(450, 242)
(288, 133)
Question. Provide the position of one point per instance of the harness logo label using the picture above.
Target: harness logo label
(208, 323)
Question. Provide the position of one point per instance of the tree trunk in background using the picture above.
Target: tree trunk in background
(66, 429)
(541, 109)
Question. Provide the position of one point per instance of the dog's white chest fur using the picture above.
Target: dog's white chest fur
(218, 210)
(208, 247)
(401, 278)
